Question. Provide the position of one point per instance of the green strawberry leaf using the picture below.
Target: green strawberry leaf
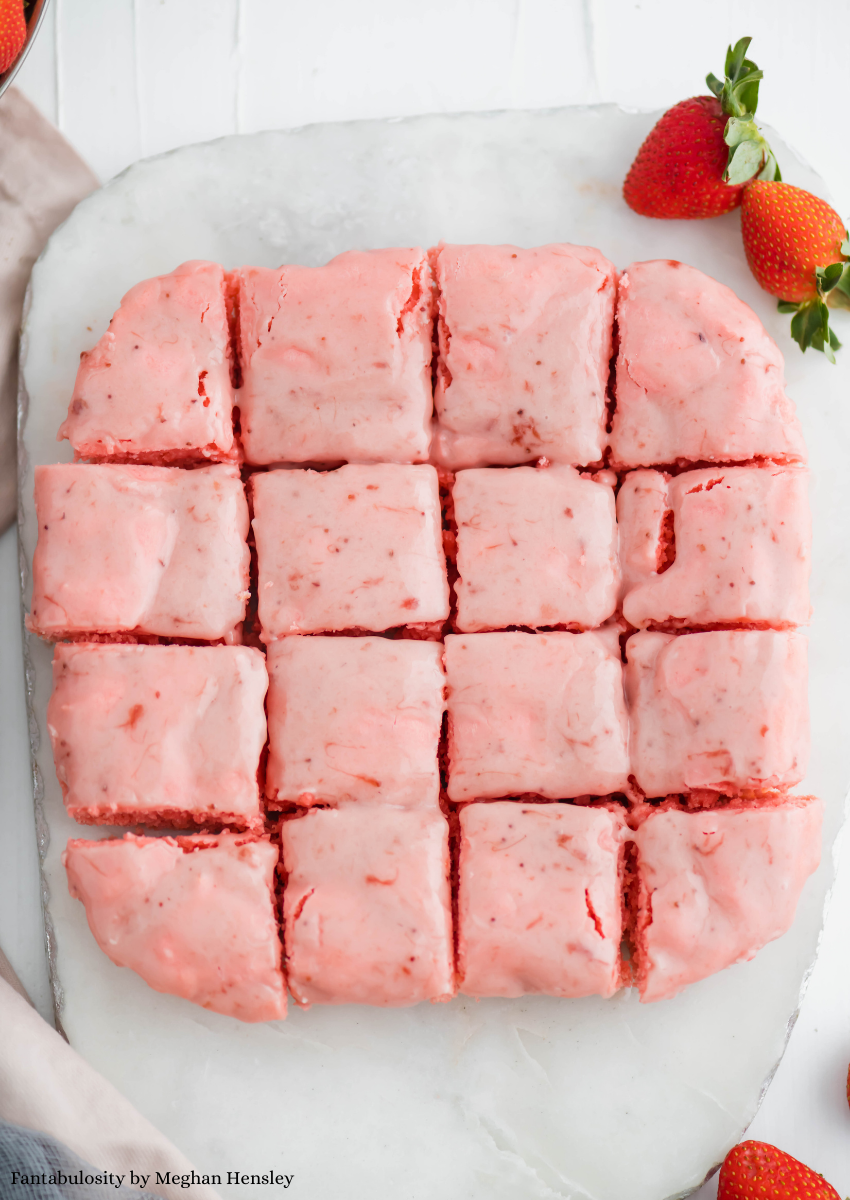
(770, 170)
(828, 277)
(787, 306)
(746, 161)
(810, 328)
(845, 245)
(714, 84)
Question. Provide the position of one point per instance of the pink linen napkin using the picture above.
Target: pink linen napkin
(45, 1085)
(41, 179)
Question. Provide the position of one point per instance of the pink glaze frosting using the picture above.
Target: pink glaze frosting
(525, 342)
(367, 908)
(541, 713)
(742, 546)
(356, 548)
(355, 719)
(337, 359)
(194, 916)
(724, 710)
(697, 376)
(716, 886)
(156, 387)
(152, 550)
(540, 900)
(158, 734)
(534, 547)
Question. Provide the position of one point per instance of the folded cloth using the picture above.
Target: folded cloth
(34, 1166)
(41, 179)
(46, 1086)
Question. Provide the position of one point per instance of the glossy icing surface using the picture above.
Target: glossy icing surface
(337, 359)
(535, 547)
(150, 731)
(716, 886)
(157, 384)
(539, 713)
(194, 917)
(355, 719)
(742, 547)
(367, 909)
(540, 900)
(698, 378)
(356, 548)
(525, 339)
(131, 548)
(722, 710)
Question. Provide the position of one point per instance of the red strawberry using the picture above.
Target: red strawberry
(698, 156)
(13, 32)
(797, 246)
(757, 1171)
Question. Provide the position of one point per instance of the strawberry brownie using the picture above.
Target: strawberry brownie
(549, 525)
(139, 549)
(725, 710)
(536, 713)
(194, 916)
(722, 545)
(540, 899)
(697, 378)
(356, 548)
(524, 349)
(717, 885)
(367, 908)
(355, 719)
(336, 360)
(156, 387)
(162, 735)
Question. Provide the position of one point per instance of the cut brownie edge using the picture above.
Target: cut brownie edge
(171, 818)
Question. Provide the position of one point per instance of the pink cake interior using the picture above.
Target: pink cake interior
(193, 916)
(698, 378)
(725, 710)
(536, 713)
(524, 340)
(355, 719)
(535, 547)
(367, 907)
(156, 387)
(153, 550)
(540, 899)
(336, 360)
(715, 886)
(742, 547)
(159, 735)
(356, 548)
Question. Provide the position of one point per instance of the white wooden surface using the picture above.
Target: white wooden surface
(125, 79)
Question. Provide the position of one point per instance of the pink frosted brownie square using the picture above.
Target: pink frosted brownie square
(536, 713)
(725, 710)
(159, 735)
(148, 550)
(717, 885)
(336, 360)
(697, 377)
(355, 719)
(356, 548)
(540, 903)
(534, 547)
(193, 916)
(156, 387)
(740, 542)
(525, 343)
(367, 909)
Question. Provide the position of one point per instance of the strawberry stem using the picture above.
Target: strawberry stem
(810, 323)
(750, 155)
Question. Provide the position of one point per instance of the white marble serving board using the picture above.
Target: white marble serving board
(494, 1100)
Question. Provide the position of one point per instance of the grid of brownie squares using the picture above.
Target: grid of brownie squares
(610, 637)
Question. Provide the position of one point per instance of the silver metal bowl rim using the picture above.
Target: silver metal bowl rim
(33, 26)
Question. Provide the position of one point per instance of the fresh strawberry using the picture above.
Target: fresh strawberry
(758, 1171)
(697, 158)
(797, 248)
(13, 32)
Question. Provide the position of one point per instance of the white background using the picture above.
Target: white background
(125, 79)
